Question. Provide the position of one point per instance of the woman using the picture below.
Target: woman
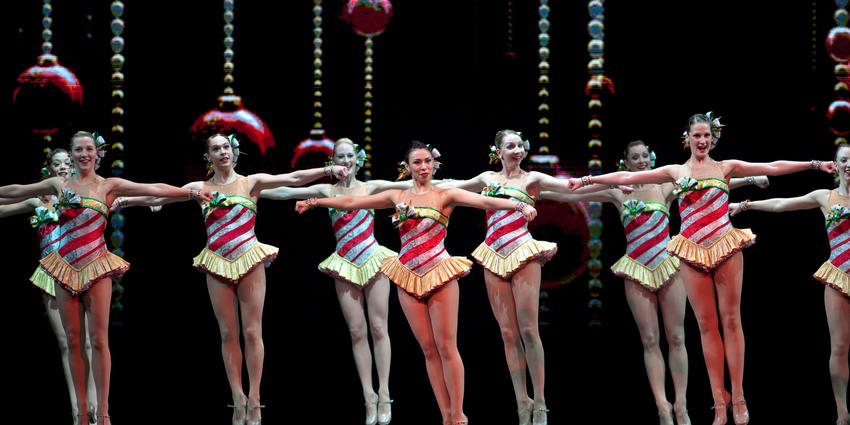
(360, 287)
(652, 281)
(835, 206)
(232, 258)
(709, 248)
(425, 274)
(81, 264)
(46, 222)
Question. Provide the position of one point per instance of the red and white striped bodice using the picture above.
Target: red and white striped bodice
(647, 229)
(230, 220)
(507, 229)
(46, 222)
(353, 230)
(704, 209)
(422, 238)
(838, 232)
(82, 222)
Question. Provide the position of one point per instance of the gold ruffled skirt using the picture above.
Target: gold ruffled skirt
(43, 281)
(506, 266)
(830, 275)
(651, 279)
(79, 280)
(233, 270)
(708, 258)
(341, 269)
(421, 286)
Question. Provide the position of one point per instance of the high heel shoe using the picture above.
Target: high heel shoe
(524, 413)
(539, 416)
(384, 417)
(681, 414)
(239, 414)
(92, 410)
(720, 414)
(742, 418)
(248, 409)
(372, 410)
(665, 416)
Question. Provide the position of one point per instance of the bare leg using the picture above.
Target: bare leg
(377, 301)
(91, 388)
(251, 292)
(351, 302)
(728, 280)
(700, 290)
(525, 285)
(56, 325)
(224, 304)
(504, 310)
(72, 313)
(442, 310)
(644, 306)
(838, 318)
(672, 300)
(98, 302)
(416, 313)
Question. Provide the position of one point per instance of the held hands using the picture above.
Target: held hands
(200, 195)
(574, 183)
(339, 171)
(738, 207)
(825, 166)
(626, 189)
(526, 210)
(305, 205)
(761, 182)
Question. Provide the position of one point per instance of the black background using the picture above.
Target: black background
(441, 76)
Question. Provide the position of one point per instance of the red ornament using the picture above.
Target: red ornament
(838, 44)
(231, 117)
(318, 142)
(838, 114)
(47, 95)
(368, 17)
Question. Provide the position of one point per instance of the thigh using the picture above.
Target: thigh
(223, 301)
(700, 289)
(416, 313)
(501, 301)
(378, 299)
(97, 301)
(442, 311)
(351, 301)
(837, 308)
(728, 280)
(525, 284)
(251, 292)
(673, 302)
(644, 306)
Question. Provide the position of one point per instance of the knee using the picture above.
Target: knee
(99, 342)
(62, 340)
(676, 338)
(357, 332)
(707, 323)
(446, 349)
(430, 351)
(649, 339)
(839, 350)
(379, 332)
(228, 335)
(731, 323)
(510, 336)
(530, 333)
(253, 335)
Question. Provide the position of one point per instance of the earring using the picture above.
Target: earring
(209, 166)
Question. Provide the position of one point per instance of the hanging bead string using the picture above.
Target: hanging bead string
(543, 71)
(595, 67)
(117, 138)
(46, 49)
(317, 64)
(367, 104)
(509, 49)
(228, 47)
(837, 43)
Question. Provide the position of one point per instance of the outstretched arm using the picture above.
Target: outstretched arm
(154, 201)
(263, 181)
(736, 168)
(818, 198)
(19, 208)
(461, 197)
(284, 193)
(613, 196)
(378, 200)
(377, 186)
(121, 187)
(15, 192)
(663, 174)
(474, 184)
(759, 181)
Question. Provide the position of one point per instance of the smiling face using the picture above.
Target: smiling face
(511, 151)
(60, 164)
(219, 152)
(420, 162)
(699, 139)
(84, 153)
(344, 155)
(637, 158)
(842, 163)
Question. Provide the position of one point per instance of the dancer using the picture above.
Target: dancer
(235, 282)
(360, 287)
(651, 279)
(81, 264)
(46, 221)
(835, 206)
(709, 248)
(426, 275)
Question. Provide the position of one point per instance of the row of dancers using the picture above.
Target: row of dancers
(705, 258)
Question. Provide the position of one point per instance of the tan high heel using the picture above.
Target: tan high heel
(539, 416)
(744, 417)
(384, 418)
(665, 416)
(720, 414)
(372, 416)
(681, 414)
(524, 413)
(248, 408)
(236, 409)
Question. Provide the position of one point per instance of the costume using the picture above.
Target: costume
(707, 237)
(647, 227)
(46, 222)
(508, 245)
(81, 258)
(834, 271)
(423, 265)
(358, 255)
(232, 248)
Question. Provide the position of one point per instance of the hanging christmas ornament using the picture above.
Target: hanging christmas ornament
(368, 18)
(117, 145)
(231, 116)
(838, 48)
(48, 96)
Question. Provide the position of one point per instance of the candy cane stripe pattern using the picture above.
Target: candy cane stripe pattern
(49, 235)
(232, 249)
(358, 255)
(647, 233)
(81, 258)
(707, 237)
(423, 265)
(834, 271)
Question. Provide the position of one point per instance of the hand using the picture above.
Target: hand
(200, 195)
(305, 205)
(339, 171)
(529, 212)
(827, 167)
(625, 188)
(761, 182)
(156, 208)
(734, 209)
(574, 183)
(118, 202)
